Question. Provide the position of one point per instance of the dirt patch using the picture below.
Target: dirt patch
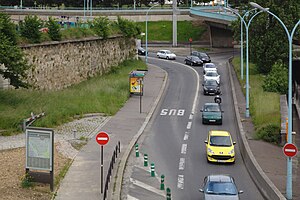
(12, 165)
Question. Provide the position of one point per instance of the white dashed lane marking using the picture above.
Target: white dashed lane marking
(181, 163)
(180, 182)
(183, 148)
(186, 136)
(189, 125)
(191, 117)
(131, 197)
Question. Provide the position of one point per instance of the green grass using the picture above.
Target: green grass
(264, 106)
(162, 31)
(103, 94)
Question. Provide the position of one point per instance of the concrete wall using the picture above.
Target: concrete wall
(57, 65)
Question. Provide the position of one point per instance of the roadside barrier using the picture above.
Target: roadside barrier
(145, 160)
(111, 167)
(137, 153)
(152, 170)
(162, 182)
(28, 121)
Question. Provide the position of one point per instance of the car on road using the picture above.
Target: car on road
(212, 114)
(203, 56)
(211, 87)
(166, 54)
(220, 187)
(208, 67)
(193, 61)
(220, 147)
(141, 51)
(212, 75)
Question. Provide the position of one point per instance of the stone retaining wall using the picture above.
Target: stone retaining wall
(57, 65)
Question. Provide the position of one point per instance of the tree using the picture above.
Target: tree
(54, 29)
(128, 28)
(30, 28)
(268, 41)
(101, 26)
(11, 56)
(14, 61)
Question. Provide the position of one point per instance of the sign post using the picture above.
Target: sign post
(190, 40)
(102, 139)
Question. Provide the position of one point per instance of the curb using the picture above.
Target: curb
(121, 166)
(262, 181)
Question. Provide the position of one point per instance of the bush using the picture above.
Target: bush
(269, 133)
(27, 181)
(30, 28)
(128, 28)
(54, 29)
(100, 26)
(8, 28)
(277, 80)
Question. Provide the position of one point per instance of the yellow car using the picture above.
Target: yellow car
(220, 147)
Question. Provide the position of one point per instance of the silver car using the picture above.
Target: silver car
(166, 54)
(220, 187)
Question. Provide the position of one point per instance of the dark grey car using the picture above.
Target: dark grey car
(220, 187)
(203, 56)
(211, 87)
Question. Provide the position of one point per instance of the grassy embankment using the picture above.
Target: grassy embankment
(264, 106)
(162, 31)
(104, 94)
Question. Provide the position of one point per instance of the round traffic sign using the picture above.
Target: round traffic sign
(102, 138)
(190, 39)
(290, 150)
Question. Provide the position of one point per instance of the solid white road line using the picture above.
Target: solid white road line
(131, 197)
(148, 187)
(189, 125)
(180, 183)
(181, 163)
(183, 148)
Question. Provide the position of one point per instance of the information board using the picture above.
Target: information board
(39, 148)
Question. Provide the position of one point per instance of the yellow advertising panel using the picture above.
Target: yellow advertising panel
(135, 84)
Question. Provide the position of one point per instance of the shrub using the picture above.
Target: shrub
(128, 28)
(269, 133)
(8, 28)
(54, 29)
(100, 26)
(27, 181)
(277, 80)
(30, 28)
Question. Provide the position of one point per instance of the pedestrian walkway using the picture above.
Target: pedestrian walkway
(83, 177)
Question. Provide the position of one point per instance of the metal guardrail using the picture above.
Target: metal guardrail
(110, 169)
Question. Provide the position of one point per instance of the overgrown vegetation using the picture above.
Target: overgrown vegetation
(27, 181)
(100, 25)
(128, 28)
(104, 94)
(264, 106)
(30, 29)
(54, 29)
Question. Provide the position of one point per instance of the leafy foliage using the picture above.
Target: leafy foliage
(54, 30)
(30, 27)
(269, 133)
(8, 28)
(277, 79)
(100, 25)
(128, 28)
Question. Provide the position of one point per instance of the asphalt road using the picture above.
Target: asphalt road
(174, 139)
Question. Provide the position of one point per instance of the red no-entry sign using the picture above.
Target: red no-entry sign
(102, 138)
(290, 150)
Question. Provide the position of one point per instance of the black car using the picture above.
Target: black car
(193, 60)
(203, 56)
(141, 51)
(211, 87)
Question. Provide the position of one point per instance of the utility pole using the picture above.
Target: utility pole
(174, 23)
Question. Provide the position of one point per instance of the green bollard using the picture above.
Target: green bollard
(145, 160)
(152, 170)
(162, 182)
(168, 194)
(137, 153)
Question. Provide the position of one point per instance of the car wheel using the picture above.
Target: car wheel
(192, 64)
(167, 58)
(207, 160)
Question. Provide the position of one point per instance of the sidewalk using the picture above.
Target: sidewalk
(83, 177)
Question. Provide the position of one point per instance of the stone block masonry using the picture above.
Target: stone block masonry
(57, 65)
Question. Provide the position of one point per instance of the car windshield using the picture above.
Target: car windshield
(212, 74)
(212, 108)
(168, 52)
(195, 58)
(210, 83)
(223, 141)
(203, 55)
(210, 66)
(221, 188)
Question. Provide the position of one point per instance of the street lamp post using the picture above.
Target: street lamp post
(247, 114)
(289, 193)
(146, 56)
